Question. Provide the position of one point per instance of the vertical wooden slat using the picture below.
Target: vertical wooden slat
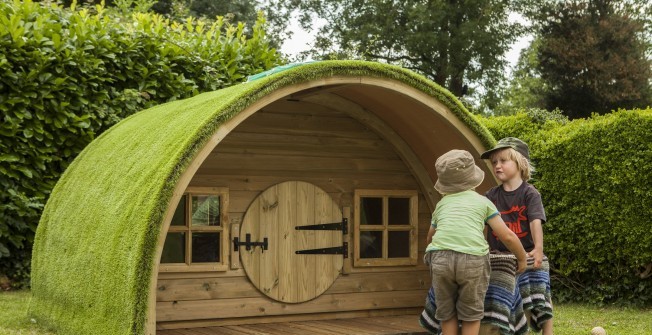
(268, 224)
(337, 240)
(250, 225)
(284, 238)
(306, 273)
(323, 214)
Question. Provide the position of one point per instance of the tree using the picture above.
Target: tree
(459, 44)
(592, 57)
(526, 89)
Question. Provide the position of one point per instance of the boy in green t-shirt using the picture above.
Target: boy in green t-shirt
(457, 251)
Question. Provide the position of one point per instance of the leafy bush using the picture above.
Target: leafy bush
(67, 75)
(594, 177)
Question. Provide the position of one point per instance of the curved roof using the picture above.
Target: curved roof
(95, 251)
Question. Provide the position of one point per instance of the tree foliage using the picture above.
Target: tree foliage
(592, 56)
(456, 43)
(526, 89)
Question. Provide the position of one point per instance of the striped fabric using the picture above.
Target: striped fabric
(504, 307)
(534, 287)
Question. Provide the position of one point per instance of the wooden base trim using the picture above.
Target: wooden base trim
(288, 318)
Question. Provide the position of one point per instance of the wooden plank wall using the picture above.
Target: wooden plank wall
(293, 140)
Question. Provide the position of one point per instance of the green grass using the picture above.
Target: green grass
(13, 315)
(573, 319)
(570, 319)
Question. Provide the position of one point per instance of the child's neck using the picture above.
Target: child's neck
(512, 184)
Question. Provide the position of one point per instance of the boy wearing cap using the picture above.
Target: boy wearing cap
(457, 251)
(521, 208)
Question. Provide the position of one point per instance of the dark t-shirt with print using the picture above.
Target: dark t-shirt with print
(517, 208)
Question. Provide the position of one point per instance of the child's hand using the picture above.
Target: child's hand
(521, 265)
(537, 254)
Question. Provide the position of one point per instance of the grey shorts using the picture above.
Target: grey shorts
(460, 282)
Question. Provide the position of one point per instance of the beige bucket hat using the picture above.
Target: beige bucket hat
(457, 172)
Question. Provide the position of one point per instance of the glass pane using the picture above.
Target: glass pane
(371, 211)
(205, 247)
(174, 249)
(399, 244)
(179, 217)
(371, 244)
(205, 210)
(398, 211)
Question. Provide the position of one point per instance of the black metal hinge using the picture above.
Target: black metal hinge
(343, 250)
(343, 226)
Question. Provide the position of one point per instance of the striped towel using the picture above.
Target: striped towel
(503, 305)
(534, 288)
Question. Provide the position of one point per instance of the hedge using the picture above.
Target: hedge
(595, 177)
(68, 74)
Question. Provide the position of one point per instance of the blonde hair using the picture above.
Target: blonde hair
(523, 164)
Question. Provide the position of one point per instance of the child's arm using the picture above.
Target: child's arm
(431, 233)
(510, 240)
(537, 236)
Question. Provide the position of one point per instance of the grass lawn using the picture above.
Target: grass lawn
(13, 315)
(570, 319)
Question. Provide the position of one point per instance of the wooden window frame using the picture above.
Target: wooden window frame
(222, 265)
(386, 228)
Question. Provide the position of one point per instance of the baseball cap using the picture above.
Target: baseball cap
(509, 142)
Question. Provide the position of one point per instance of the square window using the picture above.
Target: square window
(205, 247)
(385, 227)
(371, 244)
(371, 211)
(196, 239)
(205, 210)
(398, 211)
(398, 244)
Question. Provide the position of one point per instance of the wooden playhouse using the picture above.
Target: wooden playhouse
(304, 194)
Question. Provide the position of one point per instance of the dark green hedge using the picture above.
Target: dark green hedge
(595, 177)
(68, 74)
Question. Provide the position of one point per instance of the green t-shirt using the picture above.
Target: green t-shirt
(459, 219)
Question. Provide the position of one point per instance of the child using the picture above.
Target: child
(457, 251)
(521, 208)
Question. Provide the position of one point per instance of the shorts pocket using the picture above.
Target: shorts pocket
(440, 263)
(473, 268)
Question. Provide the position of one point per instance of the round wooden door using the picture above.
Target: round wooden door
(299, 263)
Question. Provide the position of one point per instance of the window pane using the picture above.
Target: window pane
(399, 244)
(371, 244)
(179, 217)
(398, 211)
(174, 249)
(205, 247)
(205, 210)
(371, 211)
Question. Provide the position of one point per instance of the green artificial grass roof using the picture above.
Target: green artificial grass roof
(94, 249)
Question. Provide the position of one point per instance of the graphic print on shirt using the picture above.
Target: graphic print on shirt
(517, 212)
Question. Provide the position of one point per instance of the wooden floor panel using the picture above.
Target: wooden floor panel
(384, 325)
